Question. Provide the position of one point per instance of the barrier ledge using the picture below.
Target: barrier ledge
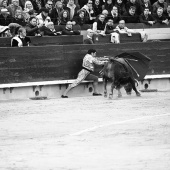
(43, 83)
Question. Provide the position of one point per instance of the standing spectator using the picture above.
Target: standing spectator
(99, 25)
(115, 15)
(121, 7)
(20, 39)
(69, 29)
(89, 12)
(89, 38)
(108, 6)
(64, 18)
(121, 28)
(56, 12)
(110, 29)
(19, 18)
(80, 19)
(32, 28)
(160, 17)
(97, 7)
(49, 6)
(5, 18)
(43, 17)
(131, 16)
(160, 3)
(147, 18)
(13, 7)
(146, 4)
(135, 4)
(73, 8)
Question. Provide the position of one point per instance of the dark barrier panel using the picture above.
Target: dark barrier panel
(47, 63)
(47, 40)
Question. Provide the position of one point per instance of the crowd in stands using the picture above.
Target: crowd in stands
(38, 17)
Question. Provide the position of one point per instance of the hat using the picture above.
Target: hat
(44, 9)
(4, 10)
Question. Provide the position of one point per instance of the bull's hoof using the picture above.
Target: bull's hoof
(119, 95)
(110, 96)
(105, 94)
(138, 94)
(128, 93)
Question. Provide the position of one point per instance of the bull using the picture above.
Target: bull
(120, 74)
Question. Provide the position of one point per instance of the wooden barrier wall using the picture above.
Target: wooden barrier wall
(30, 64)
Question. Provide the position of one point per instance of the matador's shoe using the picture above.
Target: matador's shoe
(97, 94)
(64, 96)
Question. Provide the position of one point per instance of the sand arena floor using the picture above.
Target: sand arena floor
(86, 133)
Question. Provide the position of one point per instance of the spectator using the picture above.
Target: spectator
(97, 7)
(19, 18)
(13, 28)
(89, 12)
(115, 15)
(131, 16)
(147, 18)
(50, 30)
(64, 18)
(105, 13)
(56, 12)
(82, 3)
(5, 18)
(146, 4)
(108, 6)
(160, 17)
(43, 17)
(110, 29)
(135, 4)
(3, 4)
(32, 28)
(89, 38)
(120, 6)
(80, 19)
(13, 7)
(28, 6)
(73, 8)
(168, 13)
(160, 3)
(99, 25)
(69, 29)
(121, 28)
(20, 39)
(37, 5)
(49, 6)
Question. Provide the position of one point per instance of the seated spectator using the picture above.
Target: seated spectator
(89, 38)
(160, 3)
(4, 31)
(135, 4)
(89, 12)
(73, 9)
(105, 13)
(50, 30)
(131, 16)
(99, 25)
(147, 18)
(32, 28)
(64, 18)
(49, 6)
(3, 4)
(80, 19)
(97, 7)
(160, 17)
(108, 6)
(43, 17)
(110, 29)
(167, 14)
(37, 5)
(115, 15)
(69, 29)
(146, 4)
(20, 39)
(13, 7)
(121, 28)
(5, 18)
(56, 12)
(28, 6)
(120, 6)
(19, 18)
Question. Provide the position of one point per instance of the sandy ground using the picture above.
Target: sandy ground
(86, 133)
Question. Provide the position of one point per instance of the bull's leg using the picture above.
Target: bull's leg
(105, 87)
(119, 93)
(134, 87)
(111, 90)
